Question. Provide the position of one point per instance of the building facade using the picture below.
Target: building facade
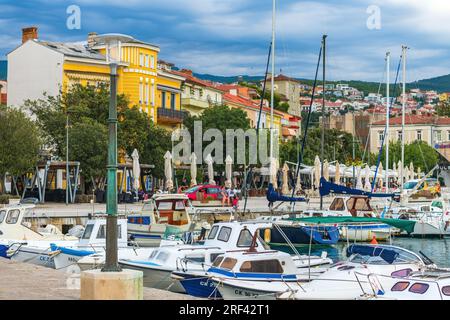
(3, 92)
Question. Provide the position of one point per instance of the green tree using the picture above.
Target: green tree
(443, 109)
(19, 142)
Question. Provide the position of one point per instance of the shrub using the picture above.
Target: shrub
(4, 199)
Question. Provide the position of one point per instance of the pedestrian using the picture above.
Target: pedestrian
(235, 203)
(225, 196)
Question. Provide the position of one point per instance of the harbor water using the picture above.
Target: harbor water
(438, 250)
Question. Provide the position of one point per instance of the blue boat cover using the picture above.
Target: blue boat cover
(72, 252)
(274, 196)
(387, 255)
(327, 187)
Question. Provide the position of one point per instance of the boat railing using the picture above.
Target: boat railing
(200, 248)
(15, 251)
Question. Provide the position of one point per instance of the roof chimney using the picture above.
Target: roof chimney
(29, 33)
(91, 39)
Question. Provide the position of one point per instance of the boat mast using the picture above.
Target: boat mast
(404, 48)
(322, 153)
(272, 89)
(388, 104)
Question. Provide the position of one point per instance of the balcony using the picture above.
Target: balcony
(171, 116)
(195, 103)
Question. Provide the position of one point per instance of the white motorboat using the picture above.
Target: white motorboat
(261, 275)
(160, 216)
(345, 281)
(223, 237)
(431, 284)
(354, 206)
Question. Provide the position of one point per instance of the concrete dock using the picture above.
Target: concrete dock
(22, 281)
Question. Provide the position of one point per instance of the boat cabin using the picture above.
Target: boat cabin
(263, 264)
(171, 209)
(13, 225)
(95, 233)
(354, 206)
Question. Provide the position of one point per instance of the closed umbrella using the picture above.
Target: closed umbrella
(367, 185)
(326, 170)
(285, 187)
(136, 170)
(419, 172)
(337, 175)
(193, 159)
(380, 175)
(273, 173)
(359, 184)
(168, 170)
(209, 162)
(228, 171)
(399, 171)
(298, 185)
(317, 172)
(411, 170)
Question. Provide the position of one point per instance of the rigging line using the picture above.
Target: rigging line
(385, 128)
(300, 154)
(263, 93)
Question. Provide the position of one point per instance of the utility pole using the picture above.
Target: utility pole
(322, 151)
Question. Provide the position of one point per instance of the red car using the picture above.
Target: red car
(208, 190)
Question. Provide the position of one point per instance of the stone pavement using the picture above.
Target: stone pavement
(22, 281)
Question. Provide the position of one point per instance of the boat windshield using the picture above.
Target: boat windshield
(191, 190)
(2, 215)
(410, 185)
(377, 255)
(359, 204)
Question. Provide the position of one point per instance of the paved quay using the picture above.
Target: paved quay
(22, 281)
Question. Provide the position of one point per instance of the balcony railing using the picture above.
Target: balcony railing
(171, 115)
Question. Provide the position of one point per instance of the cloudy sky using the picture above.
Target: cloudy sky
(231, 37)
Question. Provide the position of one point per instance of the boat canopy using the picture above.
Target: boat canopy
(327, 187)
(274, 196)
(387, 255)
(406, 225)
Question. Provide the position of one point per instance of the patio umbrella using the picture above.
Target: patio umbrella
(136, 170)
(380, 175)
(411, 170)
(209, 162)
(419, 172)
(298, 185)
(326, 170)
(399, 171)
(168, 170)
(367, 185)
(228, 171)
(359, 184)
(193, 159)
(317, 172)
(273, 173)
(285, 187)
(406, 173)
(337, 175)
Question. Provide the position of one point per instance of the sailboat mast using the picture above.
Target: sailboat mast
(404, 48)
(272, 89)
(388, 104)
(322, 152)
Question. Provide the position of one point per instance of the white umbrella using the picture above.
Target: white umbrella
(193, 159)
(419, 172)
(337, 175)
(209, 162)
(399, 171)
(411, 170)
(285, 187)
(380, 175)
(359, 184)
(367, 185)
(326, 170)
(136, 170)
(228, 171)
(168, 170)
(298, 185)
(406, 173)
(317, 172)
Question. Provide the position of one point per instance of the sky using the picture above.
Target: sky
(232, 37)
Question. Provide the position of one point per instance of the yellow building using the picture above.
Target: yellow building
(39, 66)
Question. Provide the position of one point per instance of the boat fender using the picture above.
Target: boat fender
(374, 240)
(267, 235)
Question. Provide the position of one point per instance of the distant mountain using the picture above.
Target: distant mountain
(440, 84)
(3, 69)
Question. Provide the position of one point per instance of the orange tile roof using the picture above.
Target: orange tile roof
(190, 78)
(416, 119)
(247, 103)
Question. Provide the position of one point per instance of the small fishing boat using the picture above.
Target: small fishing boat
(223, 237)
(163, 212)
(344, 280)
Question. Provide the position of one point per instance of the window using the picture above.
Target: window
(179, 205)
(401, 273)
(141, 60)
(419, 288)
(262, 266)
(163, 99)
(446, 290)
(438, 135)
(162, 256)
(172, 101)
(338, 204)
(146, 60)
(400, 134)
(101, 234)
(245, 238)
(380, 136)
(213, 232)
(217, 261)
(214, 256)
(228, 263)
(224, 234)
(13, 216)
(141, 92)
(88, 231)
(165, 205)
(212, 190)
(448, 133)
(419, 135)
(152, 62)
(400, 286)
(2, 215)
(147, 90)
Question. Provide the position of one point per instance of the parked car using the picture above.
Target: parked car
(208, 190)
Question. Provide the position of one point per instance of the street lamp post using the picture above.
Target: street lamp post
(112, 44)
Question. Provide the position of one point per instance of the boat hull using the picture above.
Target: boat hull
(328, 235)
(199, 286)
(366, 233)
